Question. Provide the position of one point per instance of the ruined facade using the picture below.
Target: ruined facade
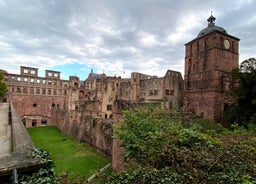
(86, 110)
(35, 97)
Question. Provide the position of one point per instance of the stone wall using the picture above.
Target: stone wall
(37, 108)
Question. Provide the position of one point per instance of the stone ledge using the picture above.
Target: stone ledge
(22, 148)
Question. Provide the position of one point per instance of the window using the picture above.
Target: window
(38, 81)
(49, 92)
(56, 75)
(33, 72)
(25, 90)
(49, 82)
(43, 121)
(169, 92)
(25, 79)
(38, 91)
(18, 79)
(109, 107)
(50, 74)
(18, 90)
(32, 81)
(34, 104)
(12, 78)
(31, 90)
(151, 93)
(25, 70)
(33, 123)
(43, 92)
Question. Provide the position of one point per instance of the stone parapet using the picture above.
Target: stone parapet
(22, 148)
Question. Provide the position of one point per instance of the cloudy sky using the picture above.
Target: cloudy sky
(116, 37)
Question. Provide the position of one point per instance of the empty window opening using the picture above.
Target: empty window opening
(109, 107)
(32, 81)
(43, 91)
(43, 121)
(18, 90)
(25, 70)
(37, 91)
(34, 104)
(25, 90)
(33, 123)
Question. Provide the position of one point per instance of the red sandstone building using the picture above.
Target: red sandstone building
(209, 59)
(87, 109)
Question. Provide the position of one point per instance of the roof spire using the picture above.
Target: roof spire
(211, 20)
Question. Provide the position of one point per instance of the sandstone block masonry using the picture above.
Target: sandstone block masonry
(87, 109)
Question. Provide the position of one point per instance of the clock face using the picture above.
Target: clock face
(226, 44)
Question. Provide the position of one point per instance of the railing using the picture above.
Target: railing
(15, 176)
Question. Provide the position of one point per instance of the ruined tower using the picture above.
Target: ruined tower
(209, 59)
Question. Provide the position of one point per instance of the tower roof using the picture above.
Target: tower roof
(211, 27)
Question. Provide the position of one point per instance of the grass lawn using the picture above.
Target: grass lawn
(77, 159)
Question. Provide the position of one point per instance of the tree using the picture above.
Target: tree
(160, 148)
(3, 87)
(145, 135)
(243, 110)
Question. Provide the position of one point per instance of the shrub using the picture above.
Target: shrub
(164, 151)
(44, 175)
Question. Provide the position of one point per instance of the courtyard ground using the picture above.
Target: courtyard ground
(75, 159)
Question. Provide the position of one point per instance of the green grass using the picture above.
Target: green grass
(77, 159)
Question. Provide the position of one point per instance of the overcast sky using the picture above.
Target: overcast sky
(116, 37)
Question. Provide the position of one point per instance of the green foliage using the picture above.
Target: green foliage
(243, 111)
(143, 134)
(160, 149)
(45, 175)
(3, 87)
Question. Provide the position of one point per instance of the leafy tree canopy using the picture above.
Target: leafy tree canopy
(243, 111)
(3, 87)
(159, 148)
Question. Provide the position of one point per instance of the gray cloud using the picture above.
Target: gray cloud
(115, 36)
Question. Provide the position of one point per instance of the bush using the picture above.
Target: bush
(165, 151)
(44, 175)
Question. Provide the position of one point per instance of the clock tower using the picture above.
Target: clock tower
(209, 60)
